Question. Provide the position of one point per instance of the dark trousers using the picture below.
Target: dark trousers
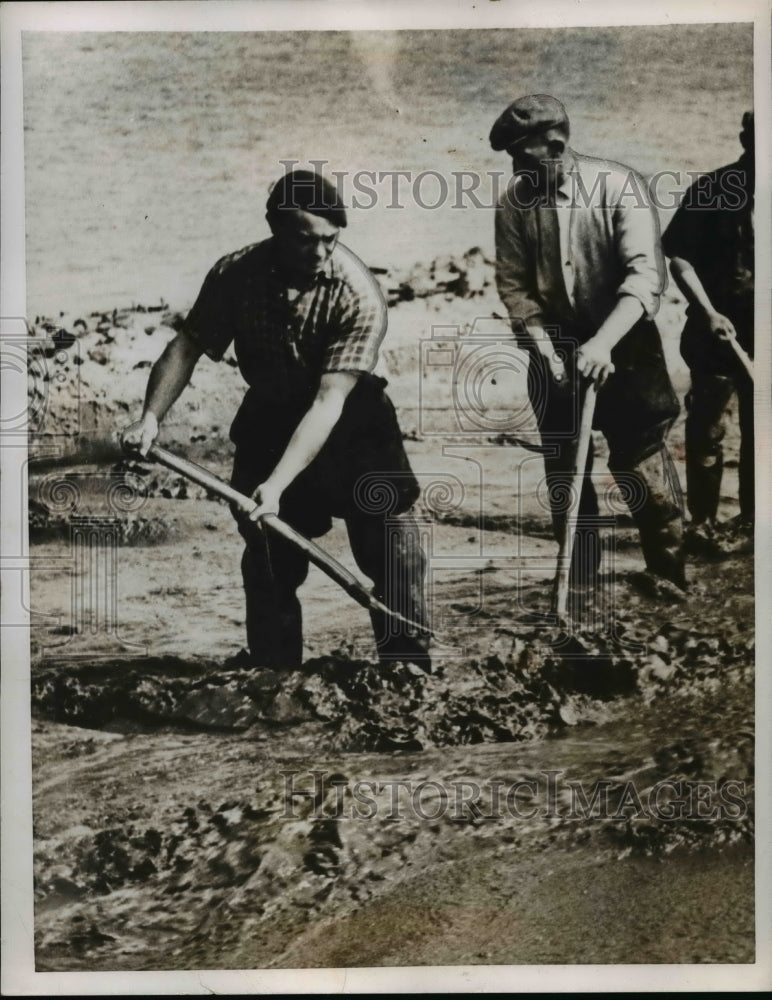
(634, 411)
(387, 550)
(709, 407)
(361, 475)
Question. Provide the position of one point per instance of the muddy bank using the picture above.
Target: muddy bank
(533, 684)
(225, 851)
(522, 805)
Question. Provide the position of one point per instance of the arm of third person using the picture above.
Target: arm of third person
(168, 377)
(693, 289)
(307, 441)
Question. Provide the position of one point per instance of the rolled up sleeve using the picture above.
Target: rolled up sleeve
(209, 321)
(639, 249)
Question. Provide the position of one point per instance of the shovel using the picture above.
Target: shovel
(354, 587)
(560, 593)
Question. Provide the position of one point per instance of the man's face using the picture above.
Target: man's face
(544, 155)
(304, 242)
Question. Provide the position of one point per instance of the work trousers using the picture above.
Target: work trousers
(362, 463)
(709, 406)
(387, 550)
(634, 415)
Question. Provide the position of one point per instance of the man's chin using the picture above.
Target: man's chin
(304, 275)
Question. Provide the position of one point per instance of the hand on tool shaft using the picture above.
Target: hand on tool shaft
(593, 360)
(267, 498)
(139, 436)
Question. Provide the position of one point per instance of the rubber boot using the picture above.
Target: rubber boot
(659, 517)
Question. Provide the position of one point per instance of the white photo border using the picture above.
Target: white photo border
(18, 975)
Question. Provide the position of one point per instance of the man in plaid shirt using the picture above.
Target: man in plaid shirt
(316, 436)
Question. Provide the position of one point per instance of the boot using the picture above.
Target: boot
(659, 517)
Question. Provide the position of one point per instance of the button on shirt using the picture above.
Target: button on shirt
(569, 261)
(284, 338)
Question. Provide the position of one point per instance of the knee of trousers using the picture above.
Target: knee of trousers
(405, 542)
(705, 438)
(651, 488)
(279, 572)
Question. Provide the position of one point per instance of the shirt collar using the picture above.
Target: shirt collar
(566, 188)
(325, 277)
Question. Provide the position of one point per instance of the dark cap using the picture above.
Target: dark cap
(525, 116)
(309, 191)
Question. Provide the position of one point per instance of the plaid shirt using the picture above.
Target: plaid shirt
(284, 346)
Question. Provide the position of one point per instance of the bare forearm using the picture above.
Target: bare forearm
(690, 285)
(593, 359)
(311, 434)
(169, 376)
(622, 318)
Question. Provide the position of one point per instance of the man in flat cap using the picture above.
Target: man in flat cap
(580, 271)
(316, 437)
(710, 243)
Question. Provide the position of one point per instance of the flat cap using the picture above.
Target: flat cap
(309, 191)
(525, 116)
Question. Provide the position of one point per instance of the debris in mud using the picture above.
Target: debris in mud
(305, 844)
(535, 683)
(719, 541)
(464, 276)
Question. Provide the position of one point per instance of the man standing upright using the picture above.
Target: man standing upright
(315, 435)
(580, 271)
(710, 243)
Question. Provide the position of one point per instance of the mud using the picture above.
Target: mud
(192, 815)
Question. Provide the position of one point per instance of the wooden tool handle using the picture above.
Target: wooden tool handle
(562, 576)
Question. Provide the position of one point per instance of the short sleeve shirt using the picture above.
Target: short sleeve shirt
(284, 339)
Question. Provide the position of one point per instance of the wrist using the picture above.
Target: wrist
(543, 345)
(275, 486)
(604, 338)
(150, 420)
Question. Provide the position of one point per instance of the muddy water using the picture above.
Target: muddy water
(165, 837)
(164, 833)
(191, 851)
